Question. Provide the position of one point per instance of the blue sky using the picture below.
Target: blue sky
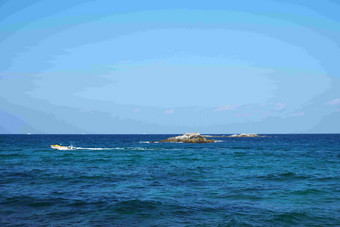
(105, 66)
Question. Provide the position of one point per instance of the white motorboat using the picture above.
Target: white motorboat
(61, 148)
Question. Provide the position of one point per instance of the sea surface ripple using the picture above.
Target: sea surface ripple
(279, 180)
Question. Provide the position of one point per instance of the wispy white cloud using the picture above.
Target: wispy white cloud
(228, 107)
(298, 114)
(169, 111)
(267, 114)
(242, 114)
(280, 106)
(334, 102)
(137, 110)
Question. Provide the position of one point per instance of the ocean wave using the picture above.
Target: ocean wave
(284, 176)
(11, 155)
(136, 206)
(308, 191)
(31, 201)
(148, 142)
(291, 218)
(114, 148)
(97, 148)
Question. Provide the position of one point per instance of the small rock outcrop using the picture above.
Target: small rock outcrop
(245, 135)
(188, 138)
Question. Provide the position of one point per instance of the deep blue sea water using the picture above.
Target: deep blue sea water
(119, 180)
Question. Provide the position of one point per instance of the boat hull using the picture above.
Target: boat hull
(61, 148)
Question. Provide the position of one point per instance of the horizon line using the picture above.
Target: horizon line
(281, 133)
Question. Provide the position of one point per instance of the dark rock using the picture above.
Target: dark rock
(188, 138)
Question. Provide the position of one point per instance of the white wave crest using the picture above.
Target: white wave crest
(147, 142)
(97, 148)
(112, 148)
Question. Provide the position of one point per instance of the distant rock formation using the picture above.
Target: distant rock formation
(188, 138)
(246, 135)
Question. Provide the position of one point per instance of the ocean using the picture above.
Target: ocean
(122, 180)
